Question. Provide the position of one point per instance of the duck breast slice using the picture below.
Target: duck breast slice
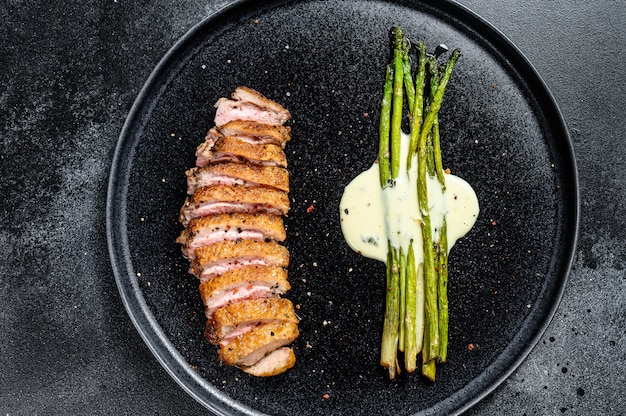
(255, 132)
(236, 318)
(220, 257)
(230, 173)
(235, 149)
(248, 348)
(248, 104)
(218, 199)
(247, 282)
(230, 226)
(250, 95)
(274, 363)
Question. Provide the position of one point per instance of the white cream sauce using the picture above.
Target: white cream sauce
(371, 216)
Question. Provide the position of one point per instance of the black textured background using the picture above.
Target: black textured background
(69, 75)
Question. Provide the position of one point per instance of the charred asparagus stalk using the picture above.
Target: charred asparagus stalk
(389, 149)
(384, 129)
(400, 49)
(416, 310)
(435, 282)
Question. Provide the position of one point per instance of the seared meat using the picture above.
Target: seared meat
(238, 193)
(247, 282)
(236, 318)
(205, 147)
(218, 258)
(235, 149)
(258, 133)
(248, 348)
(218, 199)
(229, 110)
(230, 226)
(237, 174)
(246, 94)
(274, 363)
(248, 104)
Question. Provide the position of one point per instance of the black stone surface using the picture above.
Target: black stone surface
(69, 75)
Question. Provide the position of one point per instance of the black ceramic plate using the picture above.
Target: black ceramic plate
(324, 61)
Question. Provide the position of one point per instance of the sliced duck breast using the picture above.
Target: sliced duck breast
(248, 104)
(247, 282)
(230, 226)
(250, 95)
(274, 363)
(223, 256)
(229, 173)
(236, 318)
(248, 348)
(258, 133)
(219, 199)
(238, 193)
(235, 149)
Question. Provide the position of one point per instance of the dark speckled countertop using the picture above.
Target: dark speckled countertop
(70, 72)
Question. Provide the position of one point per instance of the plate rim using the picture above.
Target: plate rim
(152, 334)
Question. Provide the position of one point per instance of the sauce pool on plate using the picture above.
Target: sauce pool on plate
(370, 216)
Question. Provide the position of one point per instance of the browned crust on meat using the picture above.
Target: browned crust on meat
(277, 133)
(274, 277)
(248, 348)
(247, 312)
(233, 251)
(244, 94)
(260, 199)
(238, 193)
(260, 153)
(272, 176)
(271, 225)
(274, 363)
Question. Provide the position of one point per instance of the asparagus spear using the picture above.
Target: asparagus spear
(430, 350)
(409, 86)
(410, 313)
(438, 167)
(403, 300)
(389, 149)
(383, 129)
(429, 367)
(420, 309)
(442, 291)
(434, 340)
(418, 105)
(438, 98)
(442, 245)
(430, 278)
(400, 49)
(433, 69)
(389, 345)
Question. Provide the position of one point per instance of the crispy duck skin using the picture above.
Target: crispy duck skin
(274, 363)
(230, 226)
(236, 318)
(218, 199)
(258, 133)
(248, 104)
(229, 173)
(248, 348)
(235, 149)
(246, 94)
(220, 257)
(243, 283)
